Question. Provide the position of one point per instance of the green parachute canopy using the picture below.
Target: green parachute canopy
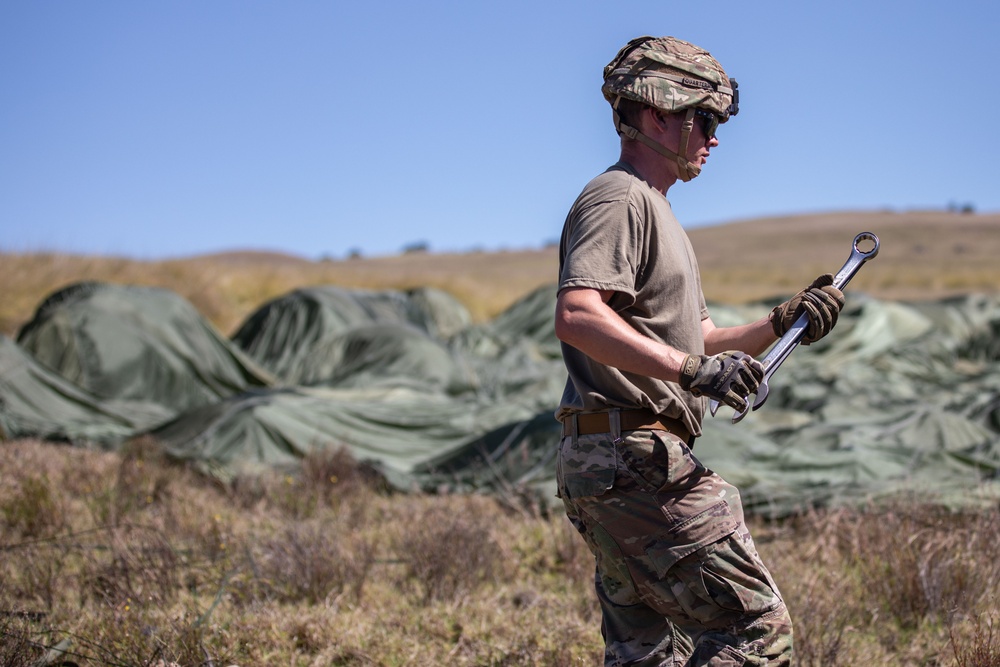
(137, 344)
(902, 397)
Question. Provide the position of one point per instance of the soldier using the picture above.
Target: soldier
(678, 577)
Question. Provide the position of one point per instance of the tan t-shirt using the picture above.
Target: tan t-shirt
(621, 235)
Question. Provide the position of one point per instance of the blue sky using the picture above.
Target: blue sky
(165, 129)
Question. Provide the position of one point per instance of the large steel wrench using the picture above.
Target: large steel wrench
(774, 358)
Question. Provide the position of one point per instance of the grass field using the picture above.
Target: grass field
(123, 559)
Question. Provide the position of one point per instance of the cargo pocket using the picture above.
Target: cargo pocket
(586, 467)
(735, 579)
(659, 461)
(715, 578)
(689, 536)
(710, 651)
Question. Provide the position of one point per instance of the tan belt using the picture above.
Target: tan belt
(589, 423)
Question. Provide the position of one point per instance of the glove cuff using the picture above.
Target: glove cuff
(689, 367)
(777, 317)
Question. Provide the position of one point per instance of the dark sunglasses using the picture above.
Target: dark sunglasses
(709, 122)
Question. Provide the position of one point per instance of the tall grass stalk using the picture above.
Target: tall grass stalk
(321, 565)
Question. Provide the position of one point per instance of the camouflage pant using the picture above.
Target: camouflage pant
(678, 577)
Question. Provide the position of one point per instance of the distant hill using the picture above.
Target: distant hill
(924, 255)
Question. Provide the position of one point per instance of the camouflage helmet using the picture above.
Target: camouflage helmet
(671, 75)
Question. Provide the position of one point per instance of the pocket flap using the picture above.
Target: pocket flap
(697, 532)
(588, 467)
(587, 484)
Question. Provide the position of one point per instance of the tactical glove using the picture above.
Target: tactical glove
(728, 377)
(821, 301)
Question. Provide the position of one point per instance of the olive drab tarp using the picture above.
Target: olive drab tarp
(37, 402)
(286, 335)
(137, 344)
(902, 397)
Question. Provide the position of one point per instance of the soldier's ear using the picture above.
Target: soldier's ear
(660, 120)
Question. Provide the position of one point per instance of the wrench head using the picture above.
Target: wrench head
(762, 392)
(758, 401)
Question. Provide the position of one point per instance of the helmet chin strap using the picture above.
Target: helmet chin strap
(685, 170)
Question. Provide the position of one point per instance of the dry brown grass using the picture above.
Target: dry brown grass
(227, 288)
(924, 255)
(300, 567)
(903, 584)
(320, 566)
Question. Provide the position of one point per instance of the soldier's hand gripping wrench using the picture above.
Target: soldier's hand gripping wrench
(774, 358)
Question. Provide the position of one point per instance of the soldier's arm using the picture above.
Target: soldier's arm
(585, 321)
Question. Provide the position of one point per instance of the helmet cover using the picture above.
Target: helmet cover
(671, 75)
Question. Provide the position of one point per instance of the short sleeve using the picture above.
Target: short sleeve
(601, 248)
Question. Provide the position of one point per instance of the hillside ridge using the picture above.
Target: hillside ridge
(924, 255)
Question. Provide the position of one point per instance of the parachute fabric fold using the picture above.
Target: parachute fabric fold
(36, 402)
(284, 334)
(901, 398)
(137, 344)
(398, 430)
